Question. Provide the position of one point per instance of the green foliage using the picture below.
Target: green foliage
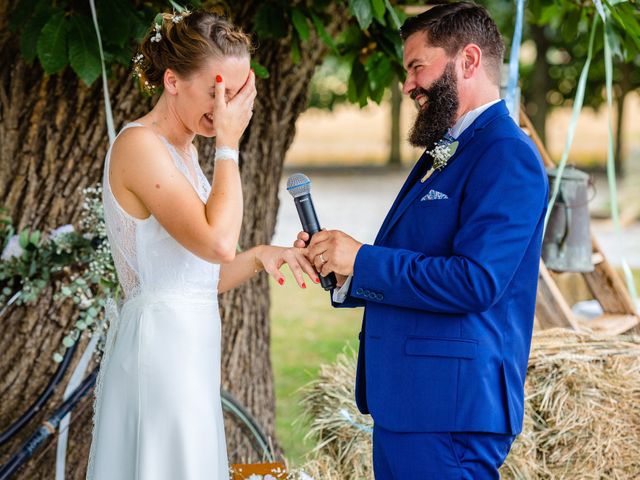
(77, 262)
(565, 26)
(60, 34)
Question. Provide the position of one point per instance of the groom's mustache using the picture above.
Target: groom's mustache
(418, 91)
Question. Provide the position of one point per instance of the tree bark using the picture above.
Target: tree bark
(53, 140)
(540, 83)
(395, 156)
(625, 88)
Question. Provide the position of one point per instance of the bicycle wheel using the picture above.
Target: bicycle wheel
(246, 442)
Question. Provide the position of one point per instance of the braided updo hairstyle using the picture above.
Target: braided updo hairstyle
(183, 42)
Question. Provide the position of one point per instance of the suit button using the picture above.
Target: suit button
(367, 293)
(359, 291)
(379, 297)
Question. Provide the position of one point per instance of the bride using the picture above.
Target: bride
(173, 237)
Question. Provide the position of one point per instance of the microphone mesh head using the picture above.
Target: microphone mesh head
(298, 184)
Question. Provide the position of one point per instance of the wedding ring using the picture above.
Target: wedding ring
(322, 258)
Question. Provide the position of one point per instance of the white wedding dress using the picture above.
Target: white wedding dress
(158, 414)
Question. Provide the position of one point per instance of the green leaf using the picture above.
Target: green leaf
(68, 341)
(84, 53)
(116, 19)
(176, 7)
(295, 51)
(23, 238)
(259, 70)
(31, 31)
(57, 357)
(52, 44)
(363, 12)
(322, 33)
(34, 238)
(378, 68)
(20, 15)
(300, 24)
(394, 15)
(379, 9)
(270, 21)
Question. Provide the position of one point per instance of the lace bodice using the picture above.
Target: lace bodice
(145, 255)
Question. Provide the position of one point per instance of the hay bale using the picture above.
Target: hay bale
(582, 409)
(343, 446)
(582, 413)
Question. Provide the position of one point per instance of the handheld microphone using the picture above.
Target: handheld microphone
(299, 186)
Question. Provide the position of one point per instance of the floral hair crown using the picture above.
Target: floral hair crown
(140, 62)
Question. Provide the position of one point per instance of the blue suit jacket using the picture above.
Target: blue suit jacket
(449, 288)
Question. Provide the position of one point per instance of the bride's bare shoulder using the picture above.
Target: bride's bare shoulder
(138, 148)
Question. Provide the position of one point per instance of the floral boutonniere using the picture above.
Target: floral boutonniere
(441, 153)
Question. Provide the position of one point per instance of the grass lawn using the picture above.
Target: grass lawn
(306, 332)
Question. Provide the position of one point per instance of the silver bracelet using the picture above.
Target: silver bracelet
(226, 153)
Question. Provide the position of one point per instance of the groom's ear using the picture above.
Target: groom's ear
(471, 60)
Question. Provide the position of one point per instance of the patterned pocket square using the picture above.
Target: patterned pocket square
(434, 195)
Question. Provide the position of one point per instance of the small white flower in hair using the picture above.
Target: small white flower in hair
(177, 18)
(157, 37)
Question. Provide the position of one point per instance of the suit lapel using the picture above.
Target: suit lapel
(421, 164)
(409, 194)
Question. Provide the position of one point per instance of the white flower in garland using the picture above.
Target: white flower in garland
(13, 249)
(56, 233)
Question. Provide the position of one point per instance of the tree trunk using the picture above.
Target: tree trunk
(625, 88)
(53, 140)
(395, 158)
(537, 105)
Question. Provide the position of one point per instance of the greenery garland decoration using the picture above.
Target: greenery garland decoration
(77, 261)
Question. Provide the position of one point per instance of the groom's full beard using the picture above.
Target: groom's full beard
(439, 113)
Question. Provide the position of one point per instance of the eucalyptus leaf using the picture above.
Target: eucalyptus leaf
(34, 238)
(23, 238)
(68, 341)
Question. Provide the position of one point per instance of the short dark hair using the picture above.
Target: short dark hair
(454, 25)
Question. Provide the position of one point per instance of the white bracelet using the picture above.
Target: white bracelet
(226, 153)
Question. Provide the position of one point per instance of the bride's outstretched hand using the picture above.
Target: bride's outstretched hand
(273, 258)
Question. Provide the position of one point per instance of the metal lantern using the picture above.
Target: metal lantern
(567, 241)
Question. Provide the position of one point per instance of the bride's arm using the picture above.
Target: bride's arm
(142, 166)
(265, 257)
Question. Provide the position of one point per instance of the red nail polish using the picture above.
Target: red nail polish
(281, 281)
(317, 280)
(218, 79)
(304, 285)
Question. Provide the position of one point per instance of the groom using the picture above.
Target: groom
(449, 284)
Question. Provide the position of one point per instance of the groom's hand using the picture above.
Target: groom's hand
(332, 251)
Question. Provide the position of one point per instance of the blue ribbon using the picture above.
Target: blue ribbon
(512, 83)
